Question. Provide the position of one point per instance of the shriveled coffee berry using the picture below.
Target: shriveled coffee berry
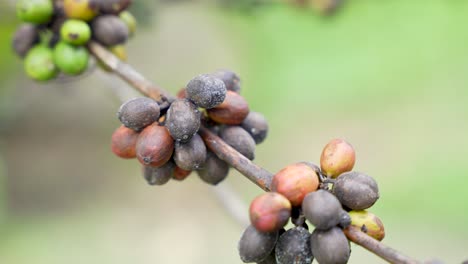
(183, 120)
(138, 113)
(322, 209)
(124, 142)
(214, 170)
(232, 111)
(76, 32)
(330, 246)
(293, 247)
(80, 9)
(154, 146)
(70, 59)
(337, 157)
(113, 6)
(369, 223)
(160, 175)
(270, 259)
(240, 140)
(180, 174)
(257, 126)
(25, 38)
(255, 246)
(206, 91)
(356, 190)
(35, 11)
(230, 79)
(269, 212)
(39, 63)
(295, 182)
(109, 30)
(191, 155)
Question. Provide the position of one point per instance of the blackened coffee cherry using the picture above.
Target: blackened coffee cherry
(295, 182)
(39, 63)
(232, 111)
(180, 174)
(214, 170)
(240, 140)
(257, 126)
(337, 157)
(369, 223)
(330, 246)
(138, 113)
(294, 247)
(124, 142)
(109, 30)
(356, 190)
(154, 146)
(183, 120)
(255, 246)
(230, 79)
(322, 209)
(269, 212)
(270, 259)
(191, 155)
(206, 91)
(25, 38)
(113, 6)
(158, 176)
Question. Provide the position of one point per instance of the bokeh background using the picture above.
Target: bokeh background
(388, 76)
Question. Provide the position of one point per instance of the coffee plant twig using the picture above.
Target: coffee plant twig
(261, 177)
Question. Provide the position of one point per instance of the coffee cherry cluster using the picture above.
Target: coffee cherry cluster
(54, 35)
(165, 140)
(330, 198)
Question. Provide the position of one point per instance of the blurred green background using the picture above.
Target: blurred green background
(388, 76)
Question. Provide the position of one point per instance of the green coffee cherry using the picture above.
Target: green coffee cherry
(70, 59)
(75, 32)
(130, 21)
(39, 63)
(35, 11)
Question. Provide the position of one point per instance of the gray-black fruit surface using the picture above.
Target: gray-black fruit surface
(255, 246)
(322, 209)
(230, 79)
(356, 190)
(183, 120)
(190, 155)
(330, 246)
(206, 91)
(139, 113)
(293, 247)
(257, 126)
(240, 140)
(109, 30)
(25, 38)
(159, 176)
(214, 170)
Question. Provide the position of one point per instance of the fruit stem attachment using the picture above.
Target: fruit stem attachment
(127, 73)
(261, 177)
(355, 235)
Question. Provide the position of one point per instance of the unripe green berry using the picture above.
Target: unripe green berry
(39, 63)
(75, 32)
(72, 60)
(35, 11)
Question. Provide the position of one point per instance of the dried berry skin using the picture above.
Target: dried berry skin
(80, 9)
(322, 209)
(270, 259)
(70, 59)
(35, 11)
(191, 155)
(338, 156)
(109, 30)
(257, 126)
(295, 182)
(356, 190)
(255, 246)
(206, 91)
(330, 246)
(154, 146)
(293, 247)
(76, 32)
(113, 6)
(232, 111)
(231, 80)
(269, 212)
(25, 38)
(240, 140)
(39, 63)
(180, 174)
(160, 175)
(214, 170)
(124, 142)
(183, 120)
(369, 223)
(137, 113)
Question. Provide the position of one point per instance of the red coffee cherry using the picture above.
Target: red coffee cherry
(232, 111)
(154, 146)
(124, 142)
(338, 157)
(180, 174)
(269, 212)
(295, 182)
